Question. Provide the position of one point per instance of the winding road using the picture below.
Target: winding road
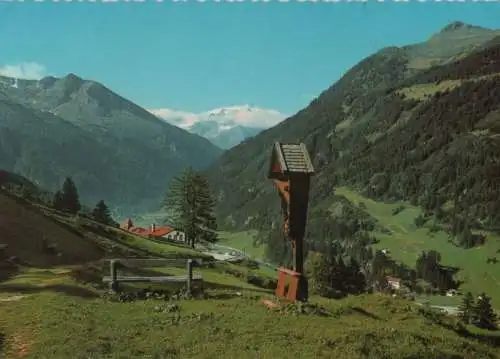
(226, 253)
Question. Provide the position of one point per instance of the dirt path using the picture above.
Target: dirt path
(12, 298)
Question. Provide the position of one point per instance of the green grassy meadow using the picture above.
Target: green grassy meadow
(62, 311)
(406, 242)
(59, 318)
(243, 241)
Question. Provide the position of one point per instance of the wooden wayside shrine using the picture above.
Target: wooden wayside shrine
(291, 169)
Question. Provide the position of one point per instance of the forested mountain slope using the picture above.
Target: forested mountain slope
(112, 148)
(418, 123)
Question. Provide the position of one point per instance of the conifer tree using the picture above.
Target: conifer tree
(57, 201)
(356, 279)
(483, 312)
(191, 204)
(69, 199)
(318, 273)
(467, 308)
(339, 271)
(102, 214)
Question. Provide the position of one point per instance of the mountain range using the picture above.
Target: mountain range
(416, 122)
(225, 127)
(112, 148)
(419, 123)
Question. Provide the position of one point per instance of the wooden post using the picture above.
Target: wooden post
(291, 168)
(299, 200)
(189, 275)
(113, 269)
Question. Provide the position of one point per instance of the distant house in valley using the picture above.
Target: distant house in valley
(176, 236)
(155, 232)
(394, 282)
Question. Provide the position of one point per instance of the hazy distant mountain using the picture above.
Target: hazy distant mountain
(225, 127)
(113, 149)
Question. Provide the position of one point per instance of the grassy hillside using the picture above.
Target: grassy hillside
(119, 151)
(25, 229)
(397, 232)
(405, 242)
(391, 132)
(375, 327)
(244, 241)
(62, 310)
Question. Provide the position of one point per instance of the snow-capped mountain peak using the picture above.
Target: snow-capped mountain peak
(225, 126)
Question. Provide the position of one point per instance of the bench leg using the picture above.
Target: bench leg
(189, 281)
(113, 271)
(114, 287)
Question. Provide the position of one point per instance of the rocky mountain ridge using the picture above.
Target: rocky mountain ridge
(114, 149)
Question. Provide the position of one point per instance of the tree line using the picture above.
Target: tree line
(67, 200)
(478, 312)
(189, 202)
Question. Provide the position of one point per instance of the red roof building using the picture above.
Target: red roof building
(140, 231)
(153, 231)
(159, 232)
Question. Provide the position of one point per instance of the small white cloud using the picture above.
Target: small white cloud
(182, 119)
(25, 70)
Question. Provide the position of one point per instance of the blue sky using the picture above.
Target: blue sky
(195, 57)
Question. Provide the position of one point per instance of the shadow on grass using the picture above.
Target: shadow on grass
(210, 290)
(58, 288)
(365, 313)
(7, 272)
(2, 341)
(492, 340)
(222, 296)
(171, 243)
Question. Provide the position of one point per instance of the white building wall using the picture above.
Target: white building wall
(176, 236)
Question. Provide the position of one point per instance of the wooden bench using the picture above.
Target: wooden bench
(114, 279)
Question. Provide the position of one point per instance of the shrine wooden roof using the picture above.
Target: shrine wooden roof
(289, 158)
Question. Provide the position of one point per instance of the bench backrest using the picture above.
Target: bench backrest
(155, 262)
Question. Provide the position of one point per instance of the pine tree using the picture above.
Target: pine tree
(356, 279)
(483, 312)
(191, 204)
(466, 238)
(379, 266)
(69, 200)
(339, 278)
(318, 272)
(467, 308)
(205, 213)
(57, 201)
(102, 214)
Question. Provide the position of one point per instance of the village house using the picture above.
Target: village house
(168, 233)
(153, 231)
(176, 236)
(394, 282)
